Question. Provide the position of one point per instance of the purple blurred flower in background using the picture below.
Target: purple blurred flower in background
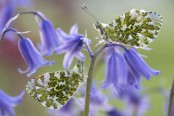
(31, 56)
(114, 112)
(72, 45)
(98, 101)
(136, 103)
(7, 103)
(49, 39)
(8, 9)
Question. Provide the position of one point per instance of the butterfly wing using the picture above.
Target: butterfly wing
(53, 90)
(135, 28)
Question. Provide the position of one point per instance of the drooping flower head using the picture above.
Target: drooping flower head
(125, 67)
(31, 56)
(49, 39)
(72, 45)
(7, 103)
(137, 65)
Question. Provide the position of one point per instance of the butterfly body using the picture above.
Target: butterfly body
(54, 89)
(135, 28)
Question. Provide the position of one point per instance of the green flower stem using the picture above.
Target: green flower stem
(90, 73)
(88, 86)
(171, 100)
(89, 79)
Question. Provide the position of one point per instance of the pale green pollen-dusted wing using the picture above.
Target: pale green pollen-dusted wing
(135, 28)
(54, 89)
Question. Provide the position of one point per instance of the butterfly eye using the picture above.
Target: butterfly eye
(96, 25)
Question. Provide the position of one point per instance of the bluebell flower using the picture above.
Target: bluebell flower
(7, 103)
(125, 67)
(49, 39)
(137, 65)
(31, 56)
(72, 45)
(116, 68)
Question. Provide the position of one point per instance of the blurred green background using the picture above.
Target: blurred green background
(64, 13)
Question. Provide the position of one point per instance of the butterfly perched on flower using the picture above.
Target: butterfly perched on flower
(54, 89)
(136, 28)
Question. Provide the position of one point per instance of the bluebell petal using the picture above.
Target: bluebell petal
(31, 56)
(24, 71)
(7, 103)
(62, 49)
(110, 72)
(49, 38)
(33, 52)
(133, 75)
(74, 29)
(68, 58)
(120, 79)
(32, 70)
(135, 81)
(13, 101)
(62, 35)
(24, 51)
(121, 70)
(6, 109)
(80, 56)
(138, 64)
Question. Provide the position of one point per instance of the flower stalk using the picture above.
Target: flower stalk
(89, 79)
(171, 100)
(88, 86)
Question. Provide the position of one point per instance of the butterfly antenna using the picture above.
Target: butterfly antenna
(84, 7)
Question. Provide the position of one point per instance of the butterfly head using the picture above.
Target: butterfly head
(99, 26)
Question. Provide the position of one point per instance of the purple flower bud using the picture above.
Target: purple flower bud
(7, 103)
(31, 56)
(72, 45)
